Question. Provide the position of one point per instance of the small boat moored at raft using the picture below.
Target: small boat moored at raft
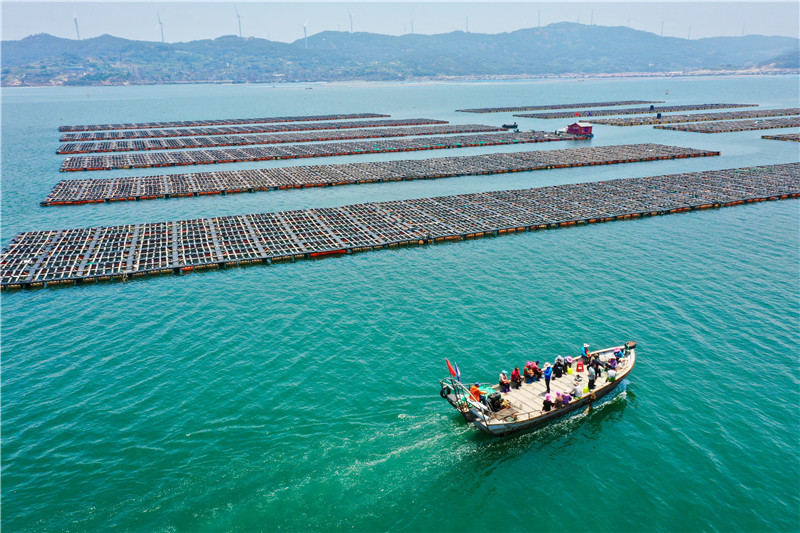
(520, 409)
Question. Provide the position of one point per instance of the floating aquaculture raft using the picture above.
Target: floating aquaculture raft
(132, 188)
(558, 106)
(245, 140)
(294, 151)
(735, 125)
(239, 130)
(34, 259)
(695, 117)
(632, 110)
(783, 137)
(217, 122)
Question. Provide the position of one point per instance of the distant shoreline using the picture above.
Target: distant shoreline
(444, 79)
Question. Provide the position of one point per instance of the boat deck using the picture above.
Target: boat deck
(528, 398)
(526, 401)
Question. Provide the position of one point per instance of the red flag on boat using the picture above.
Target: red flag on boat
(450, 367)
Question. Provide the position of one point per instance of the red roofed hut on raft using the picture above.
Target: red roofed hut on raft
(580, 128)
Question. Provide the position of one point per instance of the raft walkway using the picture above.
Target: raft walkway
(632, 110)
(295, 151)
(125, 135)
(215, 122)
(557, 106)
(184, 143)
(734, 125)
(696, 117)
(783, 137)
(65, 257)
(87, 191)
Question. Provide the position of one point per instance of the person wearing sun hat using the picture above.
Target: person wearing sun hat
(548, 373)
(569, 364)
(528, 373)
(505, 384)
(546, 404)
(559, 401)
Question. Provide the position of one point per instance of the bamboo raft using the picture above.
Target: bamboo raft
(126, 135)
(295, 151)
(183, 143)
(735, 125)
(116, 253)
(695, 117)
(136, 188)
(784, 137)
(557, 106)
(215, 122)
(632, 110)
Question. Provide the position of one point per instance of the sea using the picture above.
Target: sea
(305, 396)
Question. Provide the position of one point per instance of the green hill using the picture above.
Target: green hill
(555, 49)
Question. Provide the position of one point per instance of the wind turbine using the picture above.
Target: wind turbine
(238, 18)
(305, 33)
(351, 20)
(75, 18)
(161, 25)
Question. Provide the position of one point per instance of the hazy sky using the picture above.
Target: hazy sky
(191, 20)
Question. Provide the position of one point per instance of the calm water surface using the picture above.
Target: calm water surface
(304, 396)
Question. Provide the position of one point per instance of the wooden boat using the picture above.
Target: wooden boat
(521, 408)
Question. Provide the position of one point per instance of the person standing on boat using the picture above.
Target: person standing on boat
(586, 352)
(592, 376)
(598, 366)
(548, 373)
(505, 384)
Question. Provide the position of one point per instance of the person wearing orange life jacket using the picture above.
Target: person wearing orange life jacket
(475, 392)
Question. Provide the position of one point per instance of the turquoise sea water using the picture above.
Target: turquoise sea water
(304, 397)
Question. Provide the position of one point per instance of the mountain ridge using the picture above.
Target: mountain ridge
(556, 49)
